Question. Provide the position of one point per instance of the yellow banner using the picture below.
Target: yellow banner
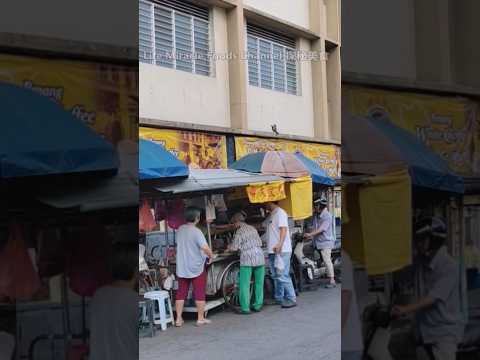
(104, 96)
(326, 156)
(197, 150)
(260, 193)
(447, 125)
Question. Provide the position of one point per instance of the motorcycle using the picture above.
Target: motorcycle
(308, 265)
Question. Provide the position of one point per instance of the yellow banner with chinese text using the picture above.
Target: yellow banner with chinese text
(104, 96)
(197, 150)
(261, 193)
(447, 125)
(326, 156)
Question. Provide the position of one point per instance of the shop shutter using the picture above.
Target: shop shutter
(266, 74)
(177, 32)
(163, 37)
(145, 41)
(271, 60)
(253, 63)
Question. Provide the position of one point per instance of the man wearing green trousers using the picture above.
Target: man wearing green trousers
(252, 260)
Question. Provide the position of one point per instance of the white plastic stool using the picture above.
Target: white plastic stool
(164, 315)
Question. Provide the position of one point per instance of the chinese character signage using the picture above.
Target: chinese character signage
(447, 125)
(104, 96)
(197, 150)
(326, 156)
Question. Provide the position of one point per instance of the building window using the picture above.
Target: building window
(272, 60)
(174, 34)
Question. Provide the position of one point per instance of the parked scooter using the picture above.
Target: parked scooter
(308, 263)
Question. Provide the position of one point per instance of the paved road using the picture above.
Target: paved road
(309, 331)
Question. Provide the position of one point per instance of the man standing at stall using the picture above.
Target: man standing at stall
(322, 235)
(438, 319)
(279, 244)
(252, 261)
(192, 254)
(114, 309)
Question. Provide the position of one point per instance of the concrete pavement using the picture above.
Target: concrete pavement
(309, 331)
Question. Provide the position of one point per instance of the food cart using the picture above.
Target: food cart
(213, 190)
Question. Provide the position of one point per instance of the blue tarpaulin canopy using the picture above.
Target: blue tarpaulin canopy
(157, 163)
(427, 169)
(38, 137)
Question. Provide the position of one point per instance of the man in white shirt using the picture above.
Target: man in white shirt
(279, 244)
(352, 343)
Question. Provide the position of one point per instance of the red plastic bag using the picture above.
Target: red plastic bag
(146, 221)
(88, 261)
(18, 278)
(173, 211)
(175, 216)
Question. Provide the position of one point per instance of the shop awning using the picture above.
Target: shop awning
(215, 179)
(427, 169)
(118, 192)
(155, 162)
(38, 137)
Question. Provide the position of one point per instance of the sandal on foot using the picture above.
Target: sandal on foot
(203, 322)
(179, 323)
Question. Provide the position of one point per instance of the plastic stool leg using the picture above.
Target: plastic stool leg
(163, 315)
(170, 309)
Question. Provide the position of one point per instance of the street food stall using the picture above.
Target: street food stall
(291, 179)
(217, 192)
(54, 188)
(388, 184)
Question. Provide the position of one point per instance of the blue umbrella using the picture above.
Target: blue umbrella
(157, 163)
(427, 169)
(283, 164)
(319, 176)
(38, 137)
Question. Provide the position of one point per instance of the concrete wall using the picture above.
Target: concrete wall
(293, 114)
(378, 27)
(297, 13)
(110, 21)
(173, 95)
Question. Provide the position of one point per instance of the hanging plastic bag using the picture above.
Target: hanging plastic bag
(18, 278)
(175, 216)
(87, 263)
(279, 264)
(146, 220)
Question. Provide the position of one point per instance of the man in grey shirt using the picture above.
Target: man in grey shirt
(438, 318)
(192, 254)
(322, 235)
(114, 309)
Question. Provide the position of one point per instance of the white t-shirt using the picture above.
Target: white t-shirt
(114, 324)
(351, 333)
(277, 219)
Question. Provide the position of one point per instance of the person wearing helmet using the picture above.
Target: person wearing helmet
(322, 235)
(437, 311)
